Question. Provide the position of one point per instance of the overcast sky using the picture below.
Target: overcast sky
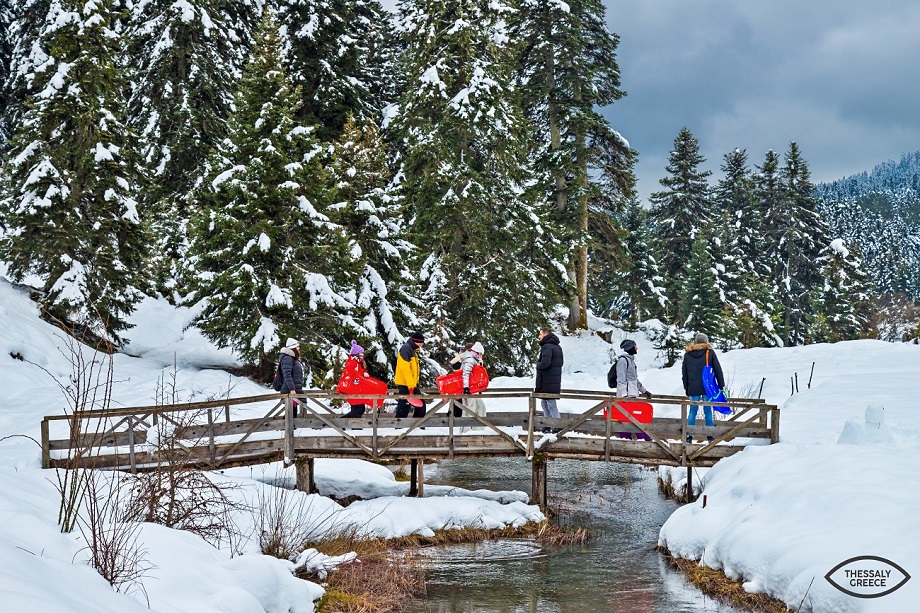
(840, 77)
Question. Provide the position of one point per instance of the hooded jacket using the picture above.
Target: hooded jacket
(407, 366)
(469, 359)
(692, 368)
(628, 384)
(549, 366)
(291, 372)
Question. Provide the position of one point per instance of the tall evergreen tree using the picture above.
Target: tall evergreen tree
(341, 57)
(633, 288)
(186, 59)
(269, 261)
(680, 211)
(795, 234)
(840, 305)
(70, 190)
(568, 71)
(6, 66)
(369, 209)
(26, 20)
(486, 273)
(699, 294)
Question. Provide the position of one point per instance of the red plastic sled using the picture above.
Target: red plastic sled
(452, 382)
(641, 411)
(356, 380)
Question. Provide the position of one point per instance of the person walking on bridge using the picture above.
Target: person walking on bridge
(549, 371)
(628, 384)
(407, 375)
(699, 354)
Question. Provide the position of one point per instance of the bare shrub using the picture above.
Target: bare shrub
(111, 531)
(288, 524)
(174, 492)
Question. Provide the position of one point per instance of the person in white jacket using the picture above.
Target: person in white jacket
(628, 384)
(470, 357)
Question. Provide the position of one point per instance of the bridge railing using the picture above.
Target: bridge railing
(222, 432)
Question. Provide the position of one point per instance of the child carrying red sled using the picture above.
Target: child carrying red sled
(356, 380)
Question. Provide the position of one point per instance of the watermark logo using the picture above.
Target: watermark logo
(867, 577)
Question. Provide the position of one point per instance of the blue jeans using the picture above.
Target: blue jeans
(707, 411)
(549, 407)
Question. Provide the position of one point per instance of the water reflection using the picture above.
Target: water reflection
(619, 571)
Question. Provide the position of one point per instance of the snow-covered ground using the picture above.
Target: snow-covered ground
(781, 516)
(42, 569)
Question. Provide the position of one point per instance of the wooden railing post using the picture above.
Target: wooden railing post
(683, 432)
(774, 425)
(131, 455)
(531, 415)
(46, 445)
(211, 447)
(288, 430)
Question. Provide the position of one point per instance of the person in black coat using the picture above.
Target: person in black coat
(549, 371)
(291, 370)
(692, 369)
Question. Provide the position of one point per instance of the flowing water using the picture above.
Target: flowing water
(618, 571)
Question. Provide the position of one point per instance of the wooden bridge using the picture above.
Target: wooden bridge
(232, 432)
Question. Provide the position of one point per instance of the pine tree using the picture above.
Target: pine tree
(680, 211)
(486, 270)
(699, 290)
(341, 57)
(634, 288)
(369, 209)
(795, 234)
(567, 72)
(269, 261)
(841, 304)
(186, 60)
(26, 20)
(6, 65)
(71, 175)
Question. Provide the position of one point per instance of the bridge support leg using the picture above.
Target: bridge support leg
(305, 482)
(538, 483)
(413, 477)
(689, 484)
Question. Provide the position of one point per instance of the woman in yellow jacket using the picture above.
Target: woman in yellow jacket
(407, 375)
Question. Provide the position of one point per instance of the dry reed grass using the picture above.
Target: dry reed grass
(714, 583)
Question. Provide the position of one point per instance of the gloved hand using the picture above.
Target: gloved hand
(466, 390)
(647, 394)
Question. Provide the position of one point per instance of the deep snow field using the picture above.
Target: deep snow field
(780, 516)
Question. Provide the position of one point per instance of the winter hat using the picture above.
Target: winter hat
(478, 348)
(417, 337)
(627, 345)
(700, 338)
(292, 343)
(355, 348)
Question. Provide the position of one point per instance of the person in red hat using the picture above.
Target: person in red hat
(407, 375)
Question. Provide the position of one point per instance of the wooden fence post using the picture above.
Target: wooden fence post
(46, 445)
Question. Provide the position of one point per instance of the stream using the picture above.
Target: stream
(617, 571)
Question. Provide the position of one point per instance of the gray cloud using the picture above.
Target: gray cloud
(839, 77)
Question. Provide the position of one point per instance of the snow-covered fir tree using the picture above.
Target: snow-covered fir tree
(635, 293)
(186, 60)
(341, 57)
(368, 207)
(487, 272)
(70, 188)
(795, 233)
(680, 211)
(840, 305)
(567, 71)
(269, 261)
(699, 292)
(26, 23)
(6, 62)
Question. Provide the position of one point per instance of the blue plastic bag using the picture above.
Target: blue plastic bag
(712, 389)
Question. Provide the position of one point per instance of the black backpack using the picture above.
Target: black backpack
(612, 374)
(278, 380)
